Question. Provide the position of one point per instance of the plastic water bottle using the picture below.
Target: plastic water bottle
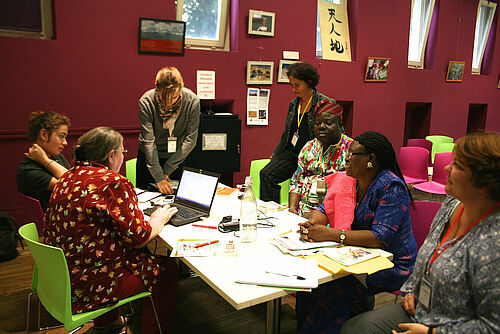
(248, 214)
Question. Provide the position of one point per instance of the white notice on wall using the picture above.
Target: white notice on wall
(205, 85)
(258, 106)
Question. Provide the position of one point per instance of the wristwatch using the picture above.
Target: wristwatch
(342, 237)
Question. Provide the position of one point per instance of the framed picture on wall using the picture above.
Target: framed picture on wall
(283, 69)
(498, 85)
(455, 71)
(377, 69)
(161, 36)
(260, 23)
(260, 72)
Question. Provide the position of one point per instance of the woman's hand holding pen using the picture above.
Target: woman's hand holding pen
(312, 231)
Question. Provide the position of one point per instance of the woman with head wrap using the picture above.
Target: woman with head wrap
(381, 220)
(319, 157)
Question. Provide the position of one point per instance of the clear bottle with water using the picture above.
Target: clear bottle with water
(248, 214)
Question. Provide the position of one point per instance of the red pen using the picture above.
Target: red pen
(205, 226)
(206, 243)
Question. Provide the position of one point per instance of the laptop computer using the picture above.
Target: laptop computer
(195, 194)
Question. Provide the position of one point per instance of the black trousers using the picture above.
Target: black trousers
(280, 169)
(144, 177)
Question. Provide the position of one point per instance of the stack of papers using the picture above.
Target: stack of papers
(290, 243)
(291, 272)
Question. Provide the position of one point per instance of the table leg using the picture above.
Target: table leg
(273, 316)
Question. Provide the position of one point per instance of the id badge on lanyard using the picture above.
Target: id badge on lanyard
(425, 292)
(320, 186)
(295, 138)
(171, 144)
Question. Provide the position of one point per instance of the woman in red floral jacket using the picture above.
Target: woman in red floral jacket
(93, 215)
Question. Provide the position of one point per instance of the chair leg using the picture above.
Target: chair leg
(28, 313)
(156, 314)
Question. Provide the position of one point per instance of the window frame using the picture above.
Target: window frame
(222, 43)
(491, 4)
(420, 64)
(47, 25)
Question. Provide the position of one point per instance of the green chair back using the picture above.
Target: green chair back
(437, 139)
(444, 147)
(255, 167)
(52, 283)
(130, 166)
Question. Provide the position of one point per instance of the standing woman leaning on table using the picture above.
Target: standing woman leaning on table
(44, 163)
(299, 129)
(381, 220)
(455, 287)
(93, 215)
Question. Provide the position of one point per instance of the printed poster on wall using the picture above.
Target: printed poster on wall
(258, 106)
(205, 85)
(334, 29)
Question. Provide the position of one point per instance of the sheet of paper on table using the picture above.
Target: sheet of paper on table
(147, 196)
(289, 272)
(349, 255)
(289, 242)
(188, 247)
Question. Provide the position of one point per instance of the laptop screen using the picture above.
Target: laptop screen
(197, 187)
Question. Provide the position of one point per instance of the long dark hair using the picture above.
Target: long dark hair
(378, 144)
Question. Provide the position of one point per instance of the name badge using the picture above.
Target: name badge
(171, 144)
(295, 138)
(320, 186)
(425, 293)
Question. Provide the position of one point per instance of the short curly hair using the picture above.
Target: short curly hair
(480, 152)
(49, 121)
(305, 72)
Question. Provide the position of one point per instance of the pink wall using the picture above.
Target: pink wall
(93, 73)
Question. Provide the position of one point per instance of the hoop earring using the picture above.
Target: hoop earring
(369, 164)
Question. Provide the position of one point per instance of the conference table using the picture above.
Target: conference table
(220, 272)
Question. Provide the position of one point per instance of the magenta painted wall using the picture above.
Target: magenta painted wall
(93, 73)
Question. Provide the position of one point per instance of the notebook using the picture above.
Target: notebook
(195, 194)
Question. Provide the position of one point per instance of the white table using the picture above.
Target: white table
(221, 272)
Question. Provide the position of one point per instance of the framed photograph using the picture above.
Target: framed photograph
(161, 36)
(260, 23)
(455, 71)
(377, 69)
(283, 69)
(260, 72)
(498, 85)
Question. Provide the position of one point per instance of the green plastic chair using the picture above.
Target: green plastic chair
(255, 168)
(437, 139)
(444, 147)
(130, 166)
(52, 284)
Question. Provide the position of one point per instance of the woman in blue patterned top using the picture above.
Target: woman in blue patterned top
(455, 287)
(381, 220)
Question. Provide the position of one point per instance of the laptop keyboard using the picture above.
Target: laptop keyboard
(185, 212)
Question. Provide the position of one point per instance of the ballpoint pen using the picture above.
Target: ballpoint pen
(205, 226)
(300, 278)
(206, 244)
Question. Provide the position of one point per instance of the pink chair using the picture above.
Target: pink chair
(436, 186)
(413, 162)
(422, 214)
(38, 214)
(420, 142)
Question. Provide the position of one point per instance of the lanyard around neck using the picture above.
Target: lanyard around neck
(325, 166)
(437, 252)
(299, 117)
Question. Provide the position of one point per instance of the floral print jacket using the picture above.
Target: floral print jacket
(94, 217)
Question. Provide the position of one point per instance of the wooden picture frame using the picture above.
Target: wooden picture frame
(377, 69)
(455, 72)
(260, 72)
(158, 36)
(283, 70)
(260, 23)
